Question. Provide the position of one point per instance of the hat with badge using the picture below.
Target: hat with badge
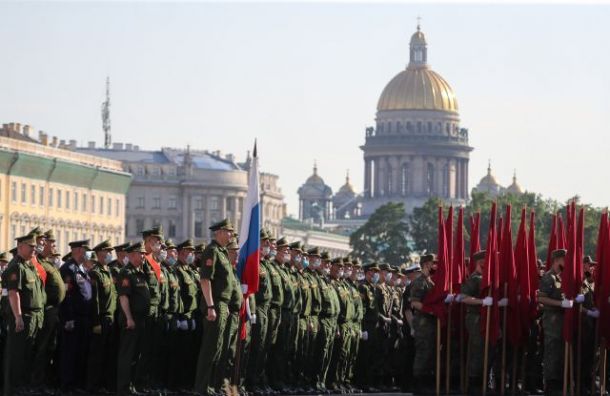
(384, 267)
(589, 260)
(4, 256)
(79, 244)
(371, 267)
(356, 261)
(37, 232)
(105, 245)
(29, 239)
(186, 245)
(49, 235)
(558, 253)
(427, 258)
(314, 251)
(169, 244)
(480, 255)
(233, 245)
(338, 261)
(347, 261)
(153, 232)
(222, 225)
(137, 247)
(415, 267)
(282, 242)
(393, 269)
(263, 235)
(296, 246)
(121, 247)
(325, 255)
(200, 248)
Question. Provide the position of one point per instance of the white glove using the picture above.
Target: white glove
(594, 313)
(244, 289)
(459, 298)
(69, 325)
(503, 302)
(567, 303)
(412, 332)
(399, 322)
(580, 299)
(364, 336)
(253, 318)
(488, 301)
(183, 325)
(449, 299)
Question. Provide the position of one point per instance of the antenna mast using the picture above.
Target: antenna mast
(106, 116)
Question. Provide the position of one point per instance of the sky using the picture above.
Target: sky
(532, 81)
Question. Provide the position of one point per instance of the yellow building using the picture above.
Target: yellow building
(43, 183)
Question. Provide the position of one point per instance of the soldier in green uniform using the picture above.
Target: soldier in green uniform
(134, 298)
(217, 284)
(424, 327)
(26, 297)
(259, 343)
(46, 341)
(470, 295)
(303, 324)
(4, 307)
(411, 273)
(553, 302)
(279, 252)
(104, 298)
(120, 261)
(311, 359)
(369, 327)
(384, 299)
(588, 322)
(353, 281)
(394, 362)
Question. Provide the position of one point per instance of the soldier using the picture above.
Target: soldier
(303, 328)
(311, 359)
(119, 262)
(134, 298)
(470, 296)
(553, 302)
(424, 326)
(393, 363)
(256, 364)
(75, 314)
(46, 341)
(411, 273)
(353, 281)
(369, 327)
(275, 313)
(26, 297)
(4, 307)
(588, 320)
(217, 283)
(384, 299)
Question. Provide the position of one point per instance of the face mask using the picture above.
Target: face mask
(266, 250)
(397, 282)
(375, 278)
(108, 258)
(340, 274)
(286, 258)
(39, 249)
(388, 277)
(273, 253)
(408, 282)
(125, 260)
(360, 277)
(156, 247)
(88, 255)
(163, 255)
(305, 263)
(171, 260)
(347, 274)
(316, 263)
(326, 271)
(297, 259)
(190, 259)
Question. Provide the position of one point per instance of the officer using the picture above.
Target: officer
(385, 301)
(46, 341)
(393, 363)
(342, 336)
(217, 283)
(553, 302)
(301, 264)
(279, 252)
(411, 273)
(26, 297)
(368, 345)
(75, 318)
(312, 273)
(134, 298)
(256, 363)
(424, 326)
(588, 320)
(470, 296)
(120, 261)
(353, 281)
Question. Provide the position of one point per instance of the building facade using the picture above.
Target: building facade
(186, 190)
(43, 183)
(315, 199)
(310, 235)
(490, 186)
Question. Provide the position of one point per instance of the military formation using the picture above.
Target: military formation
(154, 317)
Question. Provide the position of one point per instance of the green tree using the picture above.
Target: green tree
(384, 236)
(423, 224)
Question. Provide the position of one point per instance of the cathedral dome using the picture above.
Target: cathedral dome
(418, 87)
(514, 188)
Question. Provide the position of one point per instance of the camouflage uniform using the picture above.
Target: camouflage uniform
(552, 324)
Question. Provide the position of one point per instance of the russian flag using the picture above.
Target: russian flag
(249, 238)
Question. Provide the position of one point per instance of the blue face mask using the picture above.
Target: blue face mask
(305, 263)
(190, 259)
(171, 260)
(375, 278)
(108, 258)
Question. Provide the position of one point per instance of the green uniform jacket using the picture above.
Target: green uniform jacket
(54, 287)
(188, 280)
(21, 275)
(264, 293)
(174, 305)
(133, 283)
(214, 266)
(103, 294)
(277, 287)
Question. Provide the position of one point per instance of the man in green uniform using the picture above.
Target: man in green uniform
(46, 341)
(354, 281)
(275, 314)
(553, 303)
(470, 295)
(424, 326)
(26, 297)
(134, 299)
(369, 327)
(104, 298)
(311, 365)
(411, 273)
(303, 322)
(588, 320)
(394, 363)
(217, 284)
(384, 299)
(119, 262)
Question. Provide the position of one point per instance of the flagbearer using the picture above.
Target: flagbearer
(553, 302)
(590, 315)
(217, 282)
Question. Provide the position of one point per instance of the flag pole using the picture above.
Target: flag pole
(462, 368)
(487, 322)
(513, 384)
(566, 352)
(448, 349)
(503, 373)
(438, 356)
(579, 350)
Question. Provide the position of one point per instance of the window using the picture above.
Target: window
(199, 203)
(213, 203)
(59, 194)
(430, 179)
(404, 180)
(33, 195)
(92, 203)
(390, 182)
(84, 202)
(109, 207)
(198, 229)
(140, 202)
(41, 195)
(140, 171)
(67, 199)
(23, 193)
(117, 208)
(101, 205)
(155, 171)
(172, 202)
(75, 200)
(156, 203)
(229, 204)
(14, 192)
(139, 226)
(50, 197)
(171, 230)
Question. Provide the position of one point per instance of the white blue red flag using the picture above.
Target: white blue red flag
(249, 237)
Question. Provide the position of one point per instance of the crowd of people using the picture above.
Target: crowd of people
(154, 317)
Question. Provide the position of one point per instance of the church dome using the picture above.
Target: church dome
(514, 188)
(489, 184)
(418, 87)
(314, 186)
(347, 188)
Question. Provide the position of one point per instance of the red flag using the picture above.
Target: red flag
(509, 277)
(580, 240)
(434, 302)
(534, 278)
(523, 276)
(568, 275)
(499, 233)
(457, 263)
(602, 278)
(561, 233)
(475, 240)
(490, 283)
(552, 242)
(449, 242)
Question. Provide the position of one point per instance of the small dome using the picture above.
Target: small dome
(488, 184)
(347, 188)
(514, 188)
(314, 179)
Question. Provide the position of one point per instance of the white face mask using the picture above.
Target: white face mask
(39, 249)
(273, 253)
(57, 262)
(297, 259)
(125, 260)
(388, 277)
(163, 255)
(316, 263)
(266, 250)
(88, 255)
(286, 258)
(397, 282)
(190, 259)
(340, 275)
(156, 247)
(326, 271)
(360, 276)
(108, 258)
(347, 274)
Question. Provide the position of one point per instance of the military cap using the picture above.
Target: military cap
(427, 258)
(106, 245)
(297, 246)
(338, 261)
(347, 260)
(13, 251)
(200, 248)
(29, 239)
(233, 245)
(371, 267)
(76, 244)
(49, 235)
(186, 245)
(393, 269)
(66, 257)
(169, 244)
(4, 256)
(325, 255)
(222, 225)
(479, 255)
(384, 267)
(558, 253)
(314, 251)
(55, 254)
(304, 251)
(415, 267)
(589, 260)
(263, 235)
(154, 232)
(356, 261)
(92, 256)
(356, 264)
(282, 242)
(121, 247)
(37, 232)
(136, 247)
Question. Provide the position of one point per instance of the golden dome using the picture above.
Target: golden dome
(418, 87)
(514, 188)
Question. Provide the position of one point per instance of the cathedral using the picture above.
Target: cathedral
(416, 150)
